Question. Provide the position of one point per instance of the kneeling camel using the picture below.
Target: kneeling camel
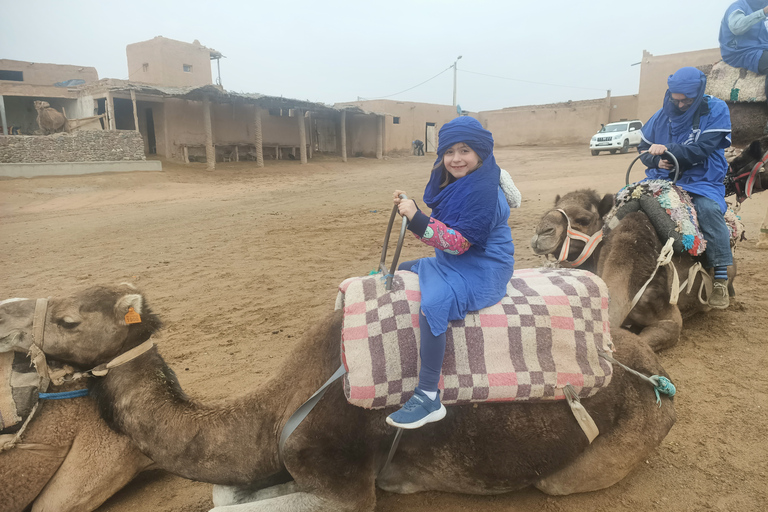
(333, 460)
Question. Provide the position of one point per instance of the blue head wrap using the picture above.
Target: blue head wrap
(467, 205)
(691, 82)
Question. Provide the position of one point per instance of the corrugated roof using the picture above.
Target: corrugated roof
(220, 95)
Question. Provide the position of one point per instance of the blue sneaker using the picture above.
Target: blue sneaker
(418, 411)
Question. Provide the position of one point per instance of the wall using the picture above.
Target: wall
(49, 74)
(413, 117)
(88, 146)
(165, 59)
(623, 108)
(654, 71)
(231, 124)
(560, 123)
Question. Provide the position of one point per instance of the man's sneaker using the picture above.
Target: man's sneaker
(418, 411)
(719, 298)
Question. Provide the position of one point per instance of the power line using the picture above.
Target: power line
(531, 82)
(406, 90)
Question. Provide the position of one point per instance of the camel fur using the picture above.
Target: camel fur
(332, 461)
(49, 119)
(68, 459)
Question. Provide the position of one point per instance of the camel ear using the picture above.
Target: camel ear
(557, 199)
(755, 149)
(605, 205)
(124, 303)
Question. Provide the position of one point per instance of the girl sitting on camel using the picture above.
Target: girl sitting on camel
(474, 254)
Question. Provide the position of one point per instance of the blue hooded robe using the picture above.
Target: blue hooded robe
(474, 205)
(745, 50)
(699, 150)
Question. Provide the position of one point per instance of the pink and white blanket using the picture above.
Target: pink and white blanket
(545, 333)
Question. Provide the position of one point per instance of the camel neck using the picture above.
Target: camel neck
(229, 443)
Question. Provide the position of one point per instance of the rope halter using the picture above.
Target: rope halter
(590, 243)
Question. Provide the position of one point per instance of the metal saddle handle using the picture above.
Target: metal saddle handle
(667, 153)
(382, 264)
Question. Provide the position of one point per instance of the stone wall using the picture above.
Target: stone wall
(86, 146)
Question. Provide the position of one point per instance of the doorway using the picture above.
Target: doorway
(151, 142)
(431, 138)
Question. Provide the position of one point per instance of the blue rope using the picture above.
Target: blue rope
(64, 394)
(663, 385)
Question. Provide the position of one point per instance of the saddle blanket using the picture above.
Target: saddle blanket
(545, 333)
(19, 386)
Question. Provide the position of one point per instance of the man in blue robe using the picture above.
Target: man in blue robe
(695, 128)
(744, 35)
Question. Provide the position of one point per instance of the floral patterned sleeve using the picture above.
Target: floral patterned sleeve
(440, 236)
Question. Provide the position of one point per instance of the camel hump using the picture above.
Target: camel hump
(546, 333)
(671, 212)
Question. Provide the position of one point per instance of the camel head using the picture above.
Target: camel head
(40, 105)
(748, 158)
(85, 329)
(585, 210)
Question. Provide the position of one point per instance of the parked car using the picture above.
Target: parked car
(615, 137)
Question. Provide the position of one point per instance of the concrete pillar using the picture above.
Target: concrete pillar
(343, 135)
(111, 111)
(210, 151)
(258, 139)
(302, 135)
(379, 137)
(311, 134)
(3, 120)
(135, 111)
(166, 135)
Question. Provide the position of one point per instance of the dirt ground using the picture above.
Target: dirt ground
(240, 261)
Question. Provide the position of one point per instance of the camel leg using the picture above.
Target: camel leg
(295, 502)
(665, 333)
(233, 495)
(100, 463)
(613, 455)
(37, 466)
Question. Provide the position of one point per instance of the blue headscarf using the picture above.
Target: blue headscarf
(467, 205)
(691, 82)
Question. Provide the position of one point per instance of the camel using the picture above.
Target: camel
(49, 119)
(333, 461)
(53, 467)
(627, 256)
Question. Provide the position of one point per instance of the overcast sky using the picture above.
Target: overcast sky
(333, 51)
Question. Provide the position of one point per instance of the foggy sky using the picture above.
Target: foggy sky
(335, 51)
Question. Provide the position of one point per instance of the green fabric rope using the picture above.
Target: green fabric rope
(660, 383)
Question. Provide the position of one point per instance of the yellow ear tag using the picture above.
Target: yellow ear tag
(132, 317)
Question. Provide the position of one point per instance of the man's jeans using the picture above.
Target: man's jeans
(715, 231)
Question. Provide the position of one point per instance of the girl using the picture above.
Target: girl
(473, 252)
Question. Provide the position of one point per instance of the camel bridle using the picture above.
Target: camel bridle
(590, 243)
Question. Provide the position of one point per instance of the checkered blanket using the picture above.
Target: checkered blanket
(19, 383)
(545, 333)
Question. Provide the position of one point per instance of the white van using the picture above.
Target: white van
(617, 136)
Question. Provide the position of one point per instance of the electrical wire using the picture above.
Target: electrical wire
(410, 88)
(531, 82)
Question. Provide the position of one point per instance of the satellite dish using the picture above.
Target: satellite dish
(458, 109)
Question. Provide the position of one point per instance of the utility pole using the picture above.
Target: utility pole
(454, 79)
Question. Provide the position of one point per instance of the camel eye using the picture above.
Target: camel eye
(67, 323)
(583, 220)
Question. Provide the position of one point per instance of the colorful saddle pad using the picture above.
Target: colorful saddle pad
(671, 211)
(545, 333)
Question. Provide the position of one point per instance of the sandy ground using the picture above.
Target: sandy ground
(240, 261)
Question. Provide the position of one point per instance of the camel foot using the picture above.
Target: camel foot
(224, 495)
(294, 502)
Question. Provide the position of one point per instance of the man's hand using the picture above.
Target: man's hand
(657, 149)
(666, 164)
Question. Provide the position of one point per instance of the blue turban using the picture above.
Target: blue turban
(691, 82)
(467, 205)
